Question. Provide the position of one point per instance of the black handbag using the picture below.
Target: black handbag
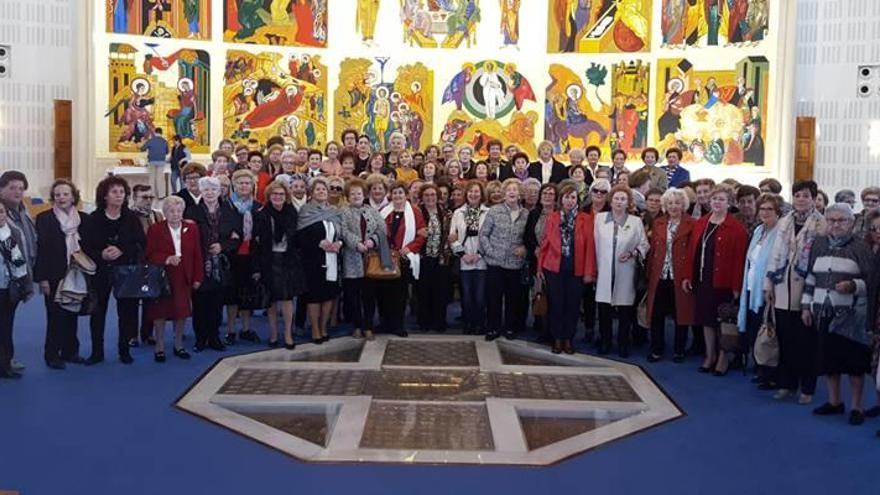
(144, 281)
(253, 297)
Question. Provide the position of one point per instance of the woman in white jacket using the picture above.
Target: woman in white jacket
(619, 240)
(464, 237)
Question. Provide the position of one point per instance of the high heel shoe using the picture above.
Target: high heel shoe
(720, 373)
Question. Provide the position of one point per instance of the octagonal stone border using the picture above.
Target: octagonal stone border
(203, 400)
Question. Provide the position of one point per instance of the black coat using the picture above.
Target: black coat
(130, 239)
(558, 174)
(51, 264)
(186, 196)
(230, 221)
(263, 240)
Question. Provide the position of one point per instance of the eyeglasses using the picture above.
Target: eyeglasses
(599, 191)
(335, 188)
(871, 200)
(837, 220)
(150, 197)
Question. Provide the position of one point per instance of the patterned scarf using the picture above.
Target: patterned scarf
(566, 228)
(244, 209)
(69, 227)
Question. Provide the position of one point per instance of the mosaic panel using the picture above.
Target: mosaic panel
(311, 427)
(399, 425)
(562, 387)
(295, 382)
(430, 353)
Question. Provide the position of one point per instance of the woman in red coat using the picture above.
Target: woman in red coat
(174, 244)
(717, 252)
(670, 238)
(561, 262)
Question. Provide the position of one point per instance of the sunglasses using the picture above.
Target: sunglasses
(335, 188)
(599, 191)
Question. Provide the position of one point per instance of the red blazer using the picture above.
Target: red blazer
(160, 247)
(684, 302)
(550, 254)
(730, 253)
(415, 246)
(591, 267)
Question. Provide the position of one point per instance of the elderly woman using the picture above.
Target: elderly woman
(872, 238)
(714, 271)
(405, 228)
(319, 237)
(434, 262)
(465, 159)
(835, 302)
(362, 230)
(531, 193)
(598, 203)
(59, 232)
(115, 238)
(669, 238)
(752, 305)
(501, 244)
(611, 263)
(464, 238)
(428, 173)
(220, 228)
(260, 168)
(561, 264)
(16, 286)
(377, 188)
(239, 296)
(480, 172)
(494, 193)
(298, 191)
(288, 162)
(547, 168)
(578, 174)
(331, 164)
(518, 168)
(277, 258)
(453, 171)
(176, 244)
(784, 285)
(532, 240)
(336, 195)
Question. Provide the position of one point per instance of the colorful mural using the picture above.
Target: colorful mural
(713, 22)
(159, 18)
(440, 23)
(152, 87)
(367, 101)
(270, 94)
(599, 26)
(490, 100)
(716, 116)
(276, 22)
(601, 105)
(510, 22)
(365, 20)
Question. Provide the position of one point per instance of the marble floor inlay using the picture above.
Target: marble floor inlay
(430, 399)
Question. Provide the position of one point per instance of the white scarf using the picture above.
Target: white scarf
(70, 228)
(298, 203)
(330, 259)
(409, 233)
(17, 267)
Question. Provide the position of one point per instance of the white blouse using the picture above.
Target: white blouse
(175, 238)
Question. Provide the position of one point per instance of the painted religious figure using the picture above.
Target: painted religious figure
(269, 94)
(687, 23)
(599, 26)
(440, 23)
(276, 22)
(605, 106)
(489, 100)
(510, 22)
(160, 18)
(365, 21)
(367, 101)
(715, 115)
(150, 88)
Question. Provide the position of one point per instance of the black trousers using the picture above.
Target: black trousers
(7, 321)
(146, 323)
(564, 292)
(61, 325)
(431, 290)
(589, 307)
(753, 325)
(798, 353)
(353, 301)
(392, 299)
(126, 313)
(664, 305)
(207, 316)
(505, 297)
(625, 318)
(370, 302)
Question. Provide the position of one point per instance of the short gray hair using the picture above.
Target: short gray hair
(605, 184)
(674, 192)
(207, 182)
(170, 201)
(840, 208)
(845, 195)
(531, 182)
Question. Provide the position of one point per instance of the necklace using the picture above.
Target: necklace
(707, 234)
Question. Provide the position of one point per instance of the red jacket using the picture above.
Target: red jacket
(684, 302)
(550, 254)
(160, 246)
(415, 246)
(730, 253)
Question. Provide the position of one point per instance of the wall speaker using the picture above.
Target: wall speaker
(868, 81)
(5, 61)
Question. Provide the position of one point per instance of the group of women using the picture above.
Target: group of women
(300, 233)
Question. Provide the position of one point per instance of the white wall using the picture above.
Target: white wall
(41, 33)
(833, 38)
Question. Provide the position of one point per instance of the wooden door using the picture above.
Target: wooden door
(63, 159)
(805, 148)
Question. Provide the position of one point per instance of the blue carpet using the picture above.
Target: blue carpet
(112, 429)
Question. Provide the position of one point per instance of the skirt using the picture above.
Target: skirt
(842, 356)
(707, 299)
(177, 306)
(284, 282)
(242, 280)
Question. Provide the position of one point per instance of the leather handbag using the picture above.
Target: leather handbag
(144, 281)
(730, 336)
(642, 313)
(374, 270)
(254, 296)
(767, 343)
(539, 304)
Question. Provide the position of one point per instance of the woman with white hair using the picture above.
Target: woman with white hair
(669, 238)
(547, 169)
(240, 295)
(174, 243)
(835, 303)
(220, 229)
